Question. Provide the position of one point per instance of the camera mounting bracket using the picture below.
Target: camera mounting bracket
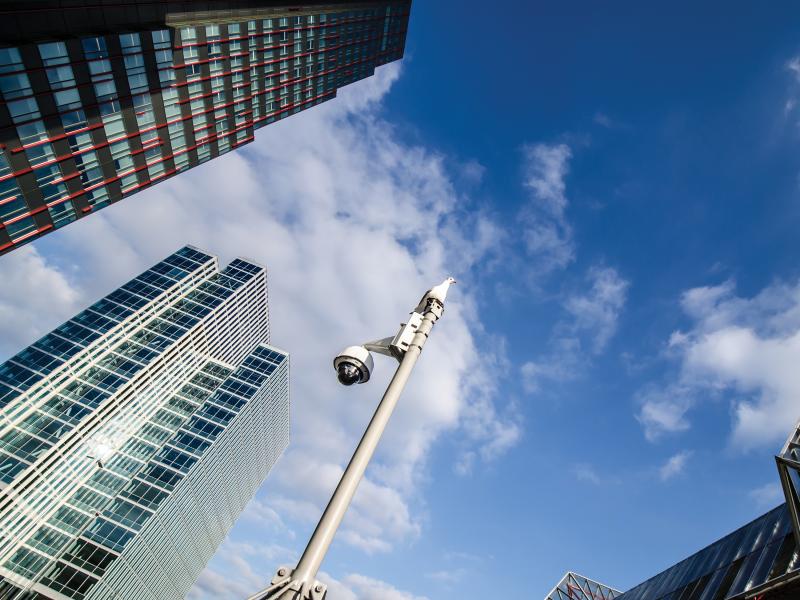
(398, 345)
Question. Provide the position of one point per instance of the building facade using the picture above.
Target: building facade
(759, 561)
(134, 434)
(744, 564)
(90, 118)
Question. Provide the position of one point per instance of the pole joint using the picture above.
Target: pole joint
(285, 587)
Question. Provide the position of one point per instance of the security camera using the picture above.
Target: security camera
(353, 365)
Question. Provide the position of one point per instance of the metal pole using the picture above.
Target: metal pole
(323, 535)
(301, 583)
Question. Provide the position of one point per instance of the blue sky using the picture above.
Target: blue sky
(616, 191)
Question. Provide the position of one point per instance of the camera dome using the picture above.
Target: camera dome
(348, 373)
(353, 365)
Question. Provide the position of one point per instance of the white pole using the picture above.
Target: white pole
(301, 583)
(323, 535)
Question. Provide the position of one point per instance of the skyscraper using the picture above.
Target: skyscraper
(100, 103)
(135, 433)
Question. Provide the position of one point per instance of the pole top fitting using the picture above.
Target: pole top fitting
(436, 294)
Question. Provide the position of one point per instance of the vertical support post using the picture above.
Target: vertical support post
(301, 583)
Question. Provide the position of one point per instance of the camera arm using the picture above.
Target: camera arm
(397, 346)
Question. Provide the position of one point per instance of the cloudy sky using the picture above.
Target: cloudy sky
(617, 193)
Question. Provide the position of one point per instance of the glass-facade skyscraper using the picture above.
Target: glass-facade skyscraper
(134, 434)
(100, 102)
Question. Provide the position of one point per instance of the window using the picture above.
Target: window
(134, 61)
(90, 557)
(127, 514)
(98, 67)
(64, 578)
(193, 71)
(67, 99)
(69, 519)
(105, 90)
(161, 38)
(130, 43)
(10, 467)
(53, 53)
(161, 476)
(155, 170)
(113, 126)
(23, 446)
(65, 410)
(94, 48)
(48, 540)
(73, 120)
(144, 494)
(10, 60)
(29, 133)
(80, 141)
(57, 346)
(27, 562)
(23, 110)
(15, 86)
(40, 154)
(45, 427)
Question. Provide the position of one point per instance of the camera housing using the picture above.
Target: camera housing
(354, 364)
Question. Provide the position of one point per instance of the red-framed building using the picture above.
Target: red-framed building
(100, 101)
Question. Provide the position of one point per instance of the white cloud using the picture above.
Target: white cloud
(236, 576)
(591, 314)
(793, 93)
(746, 349)
(767, 495)
(361, 587)
(547, 233)
(596, 312)
(241, 569)
(675, 465)
(606, 121)
(589, 324)
(586, 472)
(267, 517)
(353, 226)
(447, 577)
(472, 172)
(603, 120)
(794, 67)
(664, 411)
(34, 297)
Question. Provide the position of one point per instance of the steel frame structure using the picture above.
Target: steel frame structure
(577, 587)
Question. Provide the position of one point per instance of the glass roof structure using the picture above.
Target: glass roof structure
(759, 561)
(578, 587)
(789, 468)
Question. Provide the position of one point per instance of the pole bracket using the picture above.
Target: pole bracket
(284, 587)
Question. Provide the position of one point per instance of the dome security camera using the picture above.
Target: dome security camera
(353, 365)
